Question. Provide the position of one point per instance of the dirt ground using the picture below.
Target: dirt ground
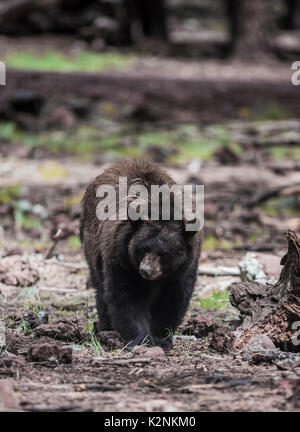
(192, 377)
(52, 359)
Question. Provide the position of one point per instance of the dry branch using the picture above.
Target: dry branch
(121, 362)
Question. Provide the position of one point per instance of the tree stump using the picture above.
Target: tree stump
(272, 310)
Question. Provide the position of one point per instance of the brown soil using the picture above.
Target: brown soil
(193, 377)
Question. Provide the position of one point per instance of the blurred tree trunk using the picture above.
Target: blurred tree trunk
(147, 17)
(291, 19)
(250, 27)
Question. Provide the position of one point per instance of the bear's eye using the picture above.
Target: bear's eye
(164, 255)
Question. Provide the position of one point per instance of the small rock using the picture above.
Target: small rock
(49, 353)
(7, 396)
(252, 268)
(153, 352)
(260, 341)
(263, 346)
(259, 355)
(195, 166)
(271, 264)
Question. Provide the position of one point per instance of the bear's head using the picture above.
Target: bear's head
(158, 249)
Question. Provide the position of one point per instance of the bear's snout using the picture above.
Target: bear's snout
(150, 267)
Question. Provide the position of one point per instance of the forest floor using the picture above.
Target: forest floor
(237, 137)
(193, 376)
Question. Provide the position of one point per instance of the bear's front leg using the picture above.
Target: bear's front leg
(127, 315)
(169, 309)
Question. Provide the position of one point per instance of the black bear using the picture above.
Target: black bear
(143, 271)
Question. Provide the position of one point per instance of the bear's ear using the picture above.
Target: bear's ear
(191, 226)
(135, 223)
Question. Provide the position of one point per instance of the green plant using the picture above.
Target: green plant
(93, 344)
(24, 328)
(217, 300)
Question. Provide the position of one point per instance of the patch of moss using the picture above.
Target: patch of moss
(228, 245)
(197, 148)
(217, 300)
(53, 171)
(218, 131)
(85, 61)
(74, 244)
(10, 194)
(8, 131)
(210, 242)
(235, 148)
(284, 152)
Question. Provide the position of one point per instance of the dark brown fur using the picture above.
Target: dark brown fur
(127, 302)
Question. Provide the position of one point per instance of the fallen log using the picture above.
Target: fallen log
(283, 191)
(272, 310)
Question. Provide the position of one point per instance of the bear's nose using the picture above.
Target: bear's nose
(150, 267)
(145, 272)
